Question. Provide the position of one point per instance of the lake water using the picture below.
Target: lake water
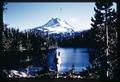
(69, 58)
(78, 57)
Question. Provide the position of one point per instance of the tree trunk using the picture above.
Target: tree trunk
(107, 46)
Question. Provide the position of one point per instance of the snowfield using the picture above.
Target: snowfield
(56, 25)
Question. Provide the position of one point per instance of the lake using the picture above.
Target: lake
(69, 58)
(78, 57)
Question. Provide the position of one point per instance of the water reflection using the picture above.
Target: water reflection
(68, 57)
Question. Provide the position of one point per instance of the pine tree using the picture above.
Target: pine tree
(117, 61)
(105, 35)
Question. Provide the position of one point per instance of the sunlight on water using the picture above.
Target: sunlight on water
(73, 56)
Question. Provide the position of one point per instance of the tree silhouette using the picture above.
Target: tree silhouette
(117, 67)
(105, 35)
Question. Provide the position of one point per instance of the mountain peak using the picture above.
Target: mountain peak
(56, 19)
(56, 25)
(52, 22)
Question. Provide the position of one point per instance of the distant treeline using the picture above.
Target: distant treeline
(21, 49)
(78, 39)
(15, 40)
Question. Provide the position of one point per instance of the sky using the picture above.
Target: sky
(31, 15)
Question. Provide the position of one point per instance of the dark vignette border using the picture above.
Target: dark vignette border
(48, 80)
(53, 0)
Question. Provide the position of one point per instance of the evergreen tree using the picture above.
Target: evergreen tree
(105, 35)
(117, 61)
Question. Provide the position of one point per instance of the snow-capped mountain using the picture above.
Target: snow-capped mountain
(56, 25)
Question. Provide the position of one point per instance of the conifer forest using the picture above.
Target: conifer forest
(35, 53)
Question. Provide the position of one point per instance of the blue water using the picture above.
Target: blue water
(78, 57)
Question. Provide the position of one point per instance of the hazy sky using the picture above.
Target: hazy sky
(30, 15)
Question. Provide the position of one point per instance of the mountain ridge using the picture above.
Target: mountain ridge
(55, 25)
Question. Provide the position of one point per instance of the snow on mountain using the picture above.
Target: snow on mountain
(56, 25)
